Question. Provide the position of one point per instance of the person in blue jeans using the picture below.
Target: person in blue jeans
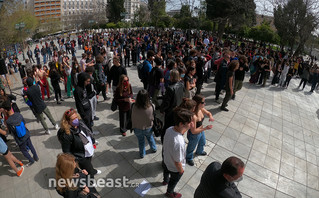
(142, 121)
(16, 126)
(196, 134)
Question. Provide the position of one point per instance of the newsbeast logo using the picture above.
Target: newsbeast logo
(91, 182)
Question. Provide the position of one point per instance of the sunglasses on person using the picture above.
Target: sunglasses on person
(68, 112)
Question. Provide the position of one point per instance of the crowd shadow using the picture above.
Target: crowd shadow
(275, 88)
(52, 143)
(44, 176)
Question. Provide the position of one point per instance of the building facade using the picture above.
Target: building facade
(47, 10)
(79, 13)
(131, 6)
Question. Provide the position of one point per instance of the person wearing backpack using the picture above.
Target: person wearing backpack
(16, 126)
(156, 81)
(147, 67)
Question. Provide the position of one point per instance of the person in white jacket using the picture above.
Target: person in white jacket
(284, 74)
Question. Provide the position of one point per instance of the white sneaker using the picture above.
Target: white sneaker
(96, 132)
(47, 132)
(56, 126)
(96, 142)
(98, 172)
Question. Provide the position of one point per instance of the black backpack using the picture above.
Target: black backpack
(141, 71)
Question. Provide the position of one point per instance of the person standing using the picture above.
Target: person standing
(218, 180)
(156, 81)
(174, 150)
(127, 54)
(115, 72)
(82, 101)
(17, 127)
(37, 54)
(142, 121)
(304, 77)
(233, 66)
(220, 78)
(196, 134)
(77, 139)
(240, 74)
(29, 53)
(99, 76)
(55, 80)
(34, 95)
(123, 98)
(147, 67)
(44, 54)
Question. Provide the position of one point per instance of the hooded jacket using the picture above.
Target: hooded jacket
(81, 98)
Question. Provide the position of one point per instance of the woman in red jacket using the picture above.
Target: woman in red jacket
(123, 97)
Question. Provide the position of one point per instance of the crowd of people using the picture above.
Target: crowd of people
(172, 65)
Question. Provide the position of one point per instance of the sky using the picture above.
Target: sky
(176, 4)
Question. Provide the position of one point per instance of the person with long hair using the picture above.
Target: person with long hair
(190, 82)
(142, 121)
(76, 138)
(123, 97)
(233, 66)
(196, 134)
(67, 170)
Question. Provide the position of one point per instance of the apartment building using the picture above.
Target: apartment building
(131, 6)
(78, 12)
(47, 10)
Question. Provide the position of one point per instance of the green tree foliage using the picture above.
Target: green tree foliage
(185, 12)
(207, 25)
(295, 20)
(114, 10)
(184, 19)
(12, 12)
(236, 12)
(157, 8)
(263, 33)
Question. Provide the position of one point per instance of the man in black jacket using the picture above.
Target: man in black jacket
(218, 180)
(34, 95)
(115, 72)
(82, 101)
(240, 74)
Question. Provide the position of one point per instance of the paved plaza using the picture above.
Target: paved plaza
(274, 131)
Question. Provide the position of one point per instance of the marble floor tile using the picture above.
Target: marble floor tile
(292, 188)
(258, 190)
(261, 174)
(226, 142)
(260, 146)
(249, 131)
(286, 170)
(242, 150)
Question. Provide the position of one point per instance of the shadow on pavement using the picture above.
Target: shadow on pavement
(52, 143)
(44, 176)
